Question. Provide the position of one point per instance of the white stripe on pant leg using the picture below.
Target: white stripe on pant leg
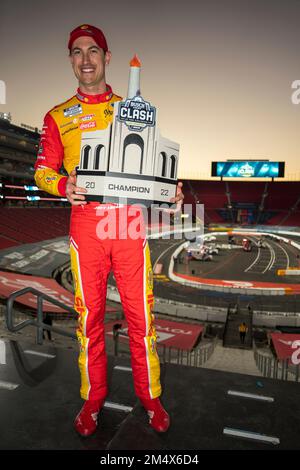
(85, 319)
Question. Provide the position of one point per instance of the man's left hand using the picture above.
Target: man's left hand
(178, 199)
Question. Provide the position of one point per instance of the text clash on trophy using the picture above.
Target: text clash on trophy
(129, 160)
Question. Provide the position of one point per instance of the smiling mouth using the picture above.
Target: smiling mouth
(87, 70)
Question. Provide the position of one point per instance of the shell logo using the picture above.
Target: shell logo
(79, 305)
(40, 175)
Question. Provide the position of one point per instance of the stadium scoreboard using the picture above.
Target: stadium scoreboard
(248, 169)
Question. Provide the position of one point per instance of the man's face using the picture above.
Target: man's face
(88, 61)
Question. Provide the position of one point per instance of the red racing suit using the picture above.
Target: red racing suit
(95, 251)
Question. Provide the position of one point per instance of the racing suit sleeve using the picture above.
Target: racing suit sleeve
(49, 160)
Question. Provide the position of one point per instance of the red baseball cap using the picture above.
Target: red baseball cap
(92, 32)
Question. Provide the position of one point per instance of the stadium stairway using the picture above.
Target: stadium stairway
(231, 336)
(209, 409)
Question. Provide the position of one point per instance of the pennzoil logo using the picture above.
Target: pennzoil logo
(50, 179)
(136, 114)
(153, 344)
(152, 337)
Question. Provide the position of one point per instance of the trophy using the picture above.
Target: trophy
(129, 160)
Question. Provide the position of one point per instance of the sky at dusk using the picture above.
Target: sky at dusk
(220, 72)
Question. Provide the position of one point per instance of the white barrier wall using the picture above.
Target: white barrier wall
(178, 309)
(238, 287)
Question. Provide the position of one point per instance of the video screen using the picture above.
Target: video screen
(248, 169)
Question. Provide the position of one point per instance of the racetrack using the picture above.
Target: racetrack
(260, 265)
(257, 265)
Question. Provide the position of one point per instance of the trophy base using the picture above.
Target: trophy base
(129, 201)
(107, 186)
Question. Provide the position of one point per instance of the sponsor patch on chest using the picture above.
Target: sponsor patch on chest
(87, 125)
(73, 110)
(87, 117)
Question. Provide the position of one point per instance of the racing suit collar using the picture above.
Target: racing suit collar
(94, 99)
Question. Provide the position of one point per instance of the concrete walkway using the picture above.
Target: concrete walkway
(240, 361)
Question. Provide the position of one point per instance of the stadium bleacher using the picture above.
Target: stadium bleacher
(32, 224)
(276, 203)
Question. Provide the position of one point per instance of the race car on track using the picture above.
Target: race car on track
(247, 245)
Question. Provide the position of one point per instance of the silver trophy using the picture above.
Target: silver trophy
(129, 160)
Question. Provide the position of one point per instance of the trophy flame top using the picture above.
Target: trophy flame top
(135, 61)
(134, 78)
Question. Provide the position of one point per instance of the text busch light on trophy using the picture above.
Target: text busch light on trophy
(129, 160)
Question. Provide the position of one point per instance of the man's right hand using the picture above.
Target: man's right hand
(72, 189)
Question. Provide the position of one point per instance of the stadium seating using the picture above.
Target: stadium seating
(277, 203)
(282, 196)
(246, 192)
(210, 193)
(29, 225)
(212, 216)
(293, 219)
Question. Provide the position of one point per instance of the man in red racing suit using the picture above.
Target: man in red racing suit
(93, 253)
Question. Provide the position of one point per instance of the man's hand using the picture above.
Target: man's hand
(71, 189)
(178, 199)
(179, 195)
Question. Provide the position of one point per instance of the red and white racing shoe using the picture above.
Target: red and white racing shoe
(159, 419)
(87, 419)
